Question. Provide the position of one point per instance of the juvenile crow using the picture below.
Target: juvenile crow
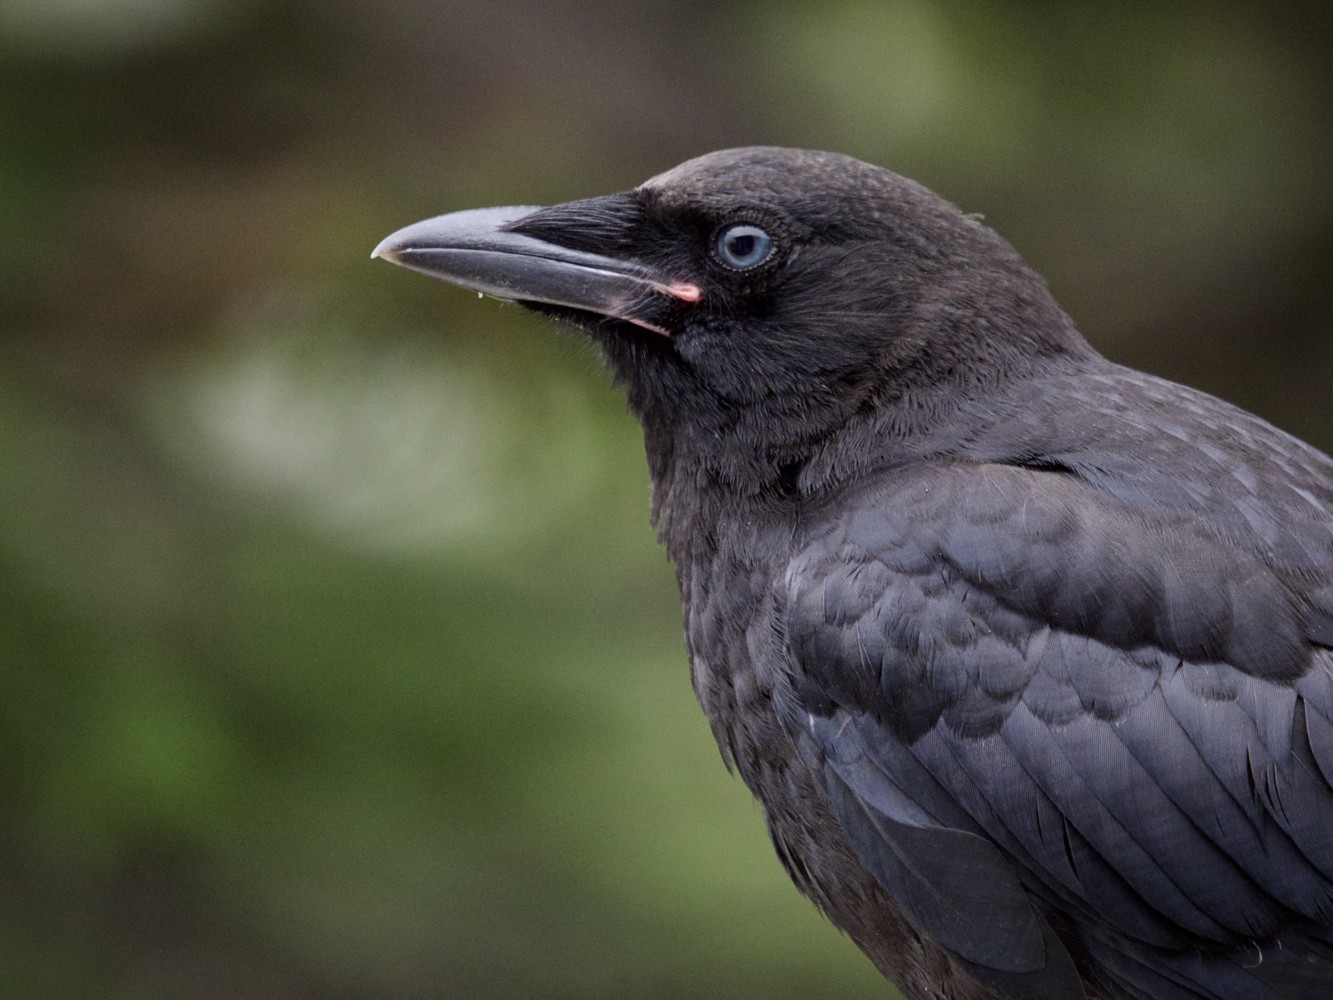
(1026, 654)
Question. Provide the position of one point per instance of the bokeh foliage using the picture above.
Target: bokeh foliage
(338, 658)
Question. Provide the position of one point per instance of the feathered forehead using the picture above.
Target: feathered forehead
(772, 170)
(804, 185)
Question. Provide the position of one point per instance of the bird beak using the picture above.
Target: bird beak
(482, 250)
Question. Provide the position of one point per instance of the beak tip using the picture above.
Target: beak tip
(385, 250)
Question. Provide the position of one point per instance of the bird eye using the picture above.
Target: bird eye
(743, 246)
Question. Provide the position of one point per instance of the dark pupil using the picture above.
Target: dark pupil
(742, 245)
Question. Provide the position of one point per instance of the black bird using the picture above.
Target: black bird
(1026, 654)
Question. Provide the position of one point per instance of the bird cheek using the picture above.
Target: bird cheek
(684, 299)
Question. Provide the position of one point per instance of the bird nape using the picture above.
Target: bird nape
(1026, 654)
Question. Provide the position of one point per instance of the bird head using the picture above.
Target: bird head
(765, 298)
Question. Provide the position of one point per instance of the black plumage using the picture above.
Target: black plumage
(1025, 653)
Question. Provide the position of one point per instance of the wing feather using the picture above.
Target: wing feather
(1112, 719)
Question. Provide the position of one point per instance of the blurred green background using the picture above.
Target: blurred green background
(338, 660)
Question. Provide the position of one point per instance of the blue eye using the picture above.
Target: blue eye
(743, 246)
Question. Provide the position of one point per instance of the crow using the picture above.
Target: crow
(1027, 655)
